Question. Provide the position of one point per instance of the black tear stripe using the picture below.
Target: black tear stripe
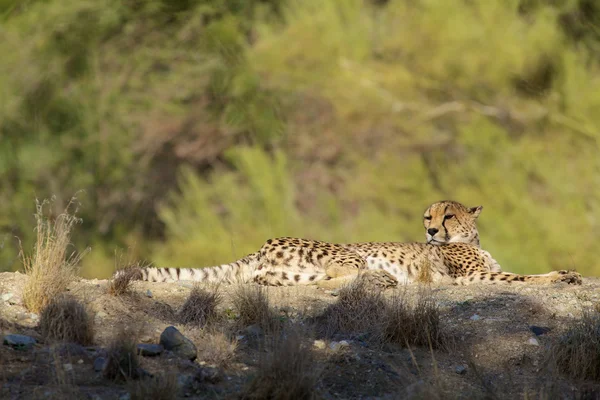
(178, 270)
(205, 274)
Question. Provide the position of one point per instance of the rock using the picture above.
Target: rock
(6, 296)
(336, 346)
(101, 314)
(460, 369)
(149, 350)
(99, 364)
(475, 317)
(125, 396)
(533, 341)
(20, 342)
(253, 330)
(149, 293)
(174, 341)
(539, 330)
(319, 344)
(68, 367)
(209, 374)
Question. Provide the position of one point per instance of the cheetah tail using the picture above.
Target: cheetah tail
(238, 271)
(570, 277)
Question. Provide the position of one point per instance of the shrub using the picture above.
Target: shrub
(200, 308)
(51, 268)
(65, 319)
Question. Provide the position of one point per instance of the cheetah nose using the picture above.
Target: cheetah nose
(432, 231)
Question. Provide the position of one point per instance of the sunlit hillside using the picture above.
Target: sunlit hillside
(198, 129)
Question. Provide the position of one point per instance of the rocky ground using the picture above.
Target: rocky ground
(499, 345)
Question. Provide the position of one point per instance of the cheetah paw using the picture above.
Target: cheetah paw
(380, 278)
(570, 277)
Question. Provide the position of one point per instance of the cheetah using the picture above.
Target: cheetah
(451, 254)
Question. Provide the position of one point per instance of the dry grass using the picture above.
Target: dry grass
(51, 268)
(161, 387)
(414, 323)
(358, 309)
(200, 308)
(577, 352)
(122, 363)
(252, 304)
(286, 369)
(361, 310)
(64, 319)
(425, 275)
(127, 270)
(217, 349)
(120, 283)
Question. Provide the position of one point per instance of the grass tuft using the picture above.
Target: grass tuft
(577, 352)
(122, 363)
(200, 308)
(120, 283)
(161, 387)
(51, 268)
(286, 369)
(252, 304)
(415, 323)
(397, 319)
(217, 348)
(65, 319)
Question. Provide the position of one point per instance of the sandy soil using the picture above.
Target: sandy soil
(494, 352)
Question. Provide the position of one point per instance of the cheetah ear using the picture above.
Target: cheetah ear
(475, 211)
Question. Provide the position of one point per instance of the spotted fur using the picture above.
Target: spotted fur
(452, 254)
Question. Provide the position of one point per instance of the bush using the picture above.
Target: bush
(286, 369)
(65, 319)
(577, 352)
(200, 308)
(359, 310)
(122, 362)
(51, 268)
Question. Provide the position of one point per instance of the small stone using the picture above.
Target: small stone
(253, 330)
(80, 361)
(319, 344)
(539, 330)
(125, 396)
(149, 350)
(68, 367)
(533, 341)
(101, 314)
(209, 374)
(336, 346)
(99, 364)
(20, 342)
(460, 369)
(6, 296)
(475, 317)
(149, 293)
(174, 341)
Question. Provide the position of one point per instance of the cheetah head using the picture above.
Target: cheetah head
(451, 222)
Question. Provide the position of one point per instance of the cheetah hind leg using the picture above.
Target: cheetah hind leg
(342, 275)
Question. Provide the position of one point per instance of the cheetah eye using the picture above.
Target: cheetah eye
(448, 216)
(428, 218)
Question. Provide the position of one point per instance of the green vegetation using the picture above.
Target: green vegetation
(190, 122)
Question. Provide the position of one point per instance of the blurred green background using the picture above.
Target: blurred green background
(200, 128)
